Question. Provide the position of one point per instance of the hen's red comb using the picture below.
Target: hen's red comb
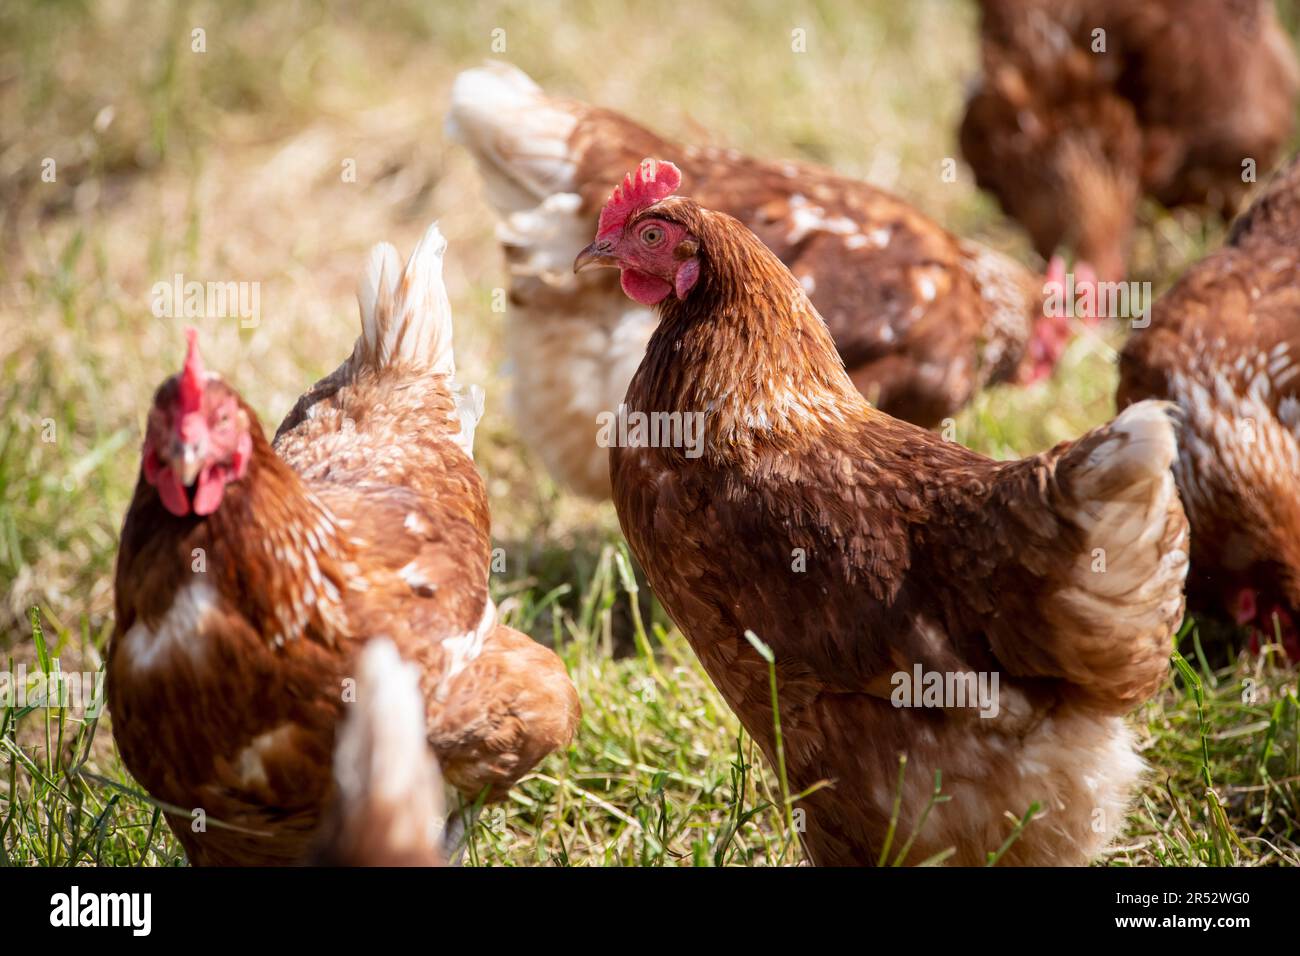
(655, 180)
(193, 377)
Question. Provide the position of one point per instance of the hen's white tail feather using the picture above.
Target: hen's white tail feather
(406, 321)
(518, 135)
(405, 316)
(378, 282)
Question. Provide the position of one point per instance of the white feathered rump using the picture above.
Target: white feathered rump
(518, 135)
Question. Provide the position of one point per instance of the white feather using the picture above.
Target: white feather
(519, 137)
(383, 755)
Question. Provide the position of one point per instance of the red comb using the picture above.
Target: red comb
(655, 180)
(193, 376)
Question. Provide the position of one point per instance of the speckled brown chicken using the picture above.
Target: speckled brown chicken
(860, 548)
(248, 578)
(1223, 344)
(1070, 127)
(923, 319)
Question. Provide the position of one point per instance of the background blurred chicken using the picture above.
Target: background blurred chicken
(863, 549)
(1223, 344)
(1070, 134)
(922, 319)
(388, 803)
(248, 579)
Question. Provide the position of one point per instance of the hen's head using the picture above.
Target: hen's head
(1092, 205)
(198, 438)
(655, 255)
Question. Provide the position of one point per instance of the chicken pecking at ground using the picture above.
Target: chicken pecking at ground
(1085, 106)
(1223, 344)
(388, 807)
(250, 576)
(922, 318)
(875, 558)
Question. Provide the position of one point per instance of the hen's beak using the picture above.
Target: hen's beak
(189, 448)
(599, 253)
(191, 463)
(186, 461)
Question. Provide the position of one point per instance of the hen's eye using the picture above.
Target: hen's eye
(652, 235)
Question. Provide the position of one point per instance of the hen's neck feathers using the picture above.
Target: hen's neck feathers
(746, 347)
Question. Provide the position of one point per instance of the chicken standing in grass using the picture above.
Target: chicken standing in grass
(1224, 344)
(922, 318)
(868, 553)
(249, 578)
(1086, 106)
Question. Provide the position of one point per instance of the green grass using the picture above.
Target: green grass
(660, 774)
(225, 165)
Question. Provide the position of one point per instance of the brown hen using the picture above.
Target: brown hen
(248, 579)
(1085, 106)
(1223, 344)
(867, 553)
(922, 318)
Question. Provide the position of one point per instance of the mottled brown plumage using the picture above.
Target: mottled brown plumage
(1223, 344)
(1070, 127)
(858, 546)
(237, 632)
(922, 318)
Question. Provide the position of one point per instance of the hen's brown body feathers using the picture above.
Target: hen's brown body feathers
(858, 547)
(1223, 344)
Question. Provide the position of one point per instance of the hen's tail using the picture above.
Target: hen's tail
(1099, 526)
(519, 136)
(405, 315)
(389, 806)
(1122, 595)
(406, 321)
